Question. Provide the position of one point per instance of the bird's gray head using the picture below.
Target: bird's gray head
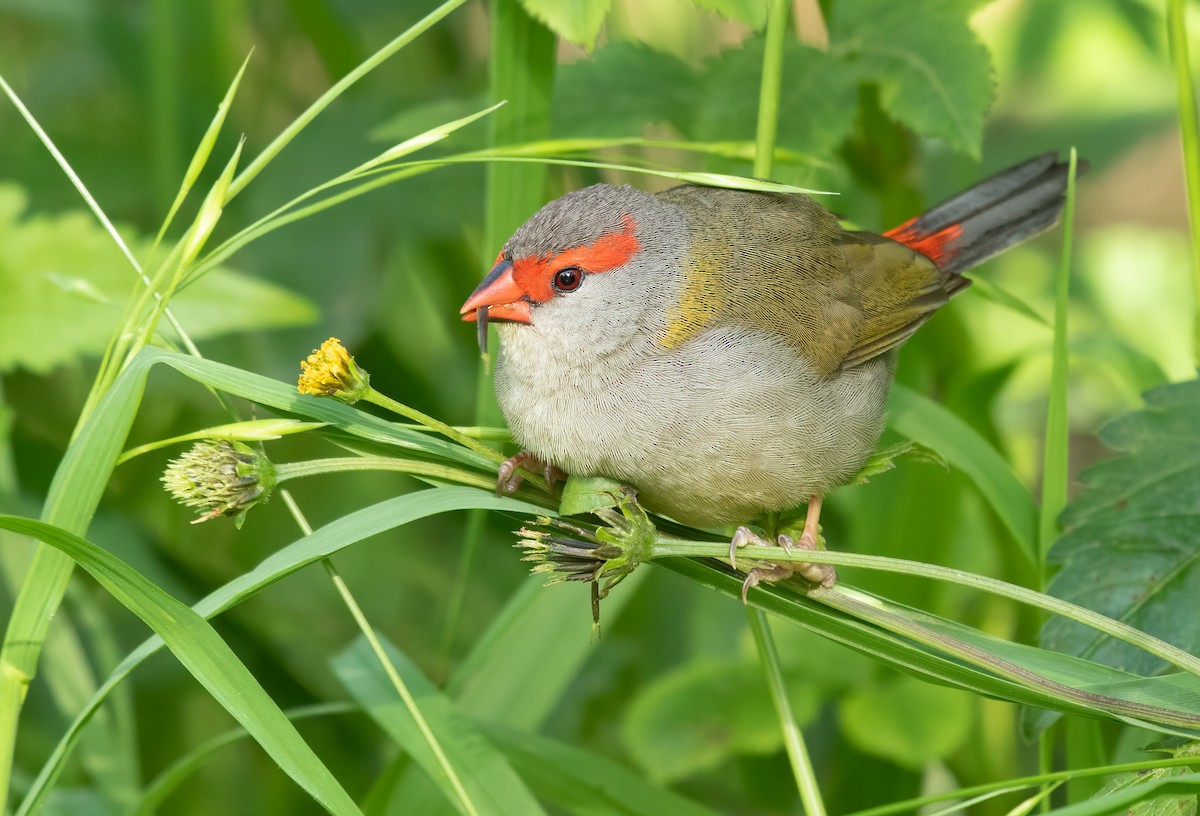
(585, 271)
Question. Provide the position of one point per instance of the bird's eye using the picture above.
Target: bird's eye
(568, 278)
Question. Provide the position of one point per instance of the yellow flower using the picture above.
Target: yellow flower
(330, 371)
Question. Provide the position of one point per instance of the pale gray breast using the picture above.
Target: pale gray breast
(715, 431)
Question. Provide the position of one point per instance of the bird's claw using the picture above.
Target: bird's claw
(509, 478)
(821, 574)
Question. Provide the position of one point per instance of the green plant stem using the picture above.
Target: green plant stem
(393, 676)
(913, 805)
(793, 739)
(1056, 442)
(768, 655)
(671, 547)
(384, 401)
(431, 470)
(1190, 132)
(768, 92)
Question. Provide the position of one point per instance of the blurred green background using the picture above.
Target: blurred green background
(126, 89)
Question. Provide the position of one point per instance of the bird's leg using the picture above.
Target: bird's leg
(508, 479)
(822, 574)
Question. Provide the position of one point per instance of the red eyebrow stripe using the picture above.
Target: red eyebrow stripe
(609, 251)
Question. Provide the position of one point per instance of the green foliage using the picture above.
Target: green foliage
(68, 266)
(1163, 806)
(484, 783)
(906, 721)
(933, 73)
(578, 21)
(703, 713)
(534, 712)
(1133, 536)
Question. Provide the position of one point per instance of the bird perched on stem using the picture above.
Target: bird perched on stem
(726, 353)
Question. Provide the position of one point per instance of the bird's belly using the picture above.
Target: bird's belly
(729, 425)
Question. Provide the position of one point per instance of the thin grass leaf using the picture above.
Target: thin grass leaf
(1189, 130)
(203, 151)
(182, 769)
(488, 783)
(324, 542)
(926, 422)
(580, 781)
(992, 291)
(205, 655)
(1055, 442)
(302, 121)
(946, 652)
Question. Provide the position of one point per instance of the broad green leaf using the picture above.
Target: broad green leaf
(576, 21)
(639, 85)
(1131, 549)
(583, 783)
(817, 105)
(751, 12)
(324, 542)
(485, 783)
(934, 74)
(67, 269)
(948, 653)
(697, 716)
(906, 721)
(205, 655)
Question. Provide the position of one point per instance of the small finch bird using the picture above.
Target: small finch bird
(726, 353)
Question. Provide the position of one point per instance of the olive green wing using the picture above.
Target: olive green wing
(898, 288)
(767, 261)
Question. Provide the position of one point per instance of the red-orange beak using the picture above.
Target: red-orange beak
(500, 295)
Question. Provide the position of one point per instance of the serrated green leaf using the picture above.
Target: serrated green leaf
(751, 12)
(697, 716)
(817, 104)
(638, 85)
(1131, 549)
(906, 721)
(576, 21)
(1164, 806)
(934, 74)
(67, 267)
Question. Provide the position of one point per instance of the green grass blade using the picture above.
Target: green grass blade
(203, 151)
(924, 421)
(1055, 443)
(547, 627)
(205, 655)
(302, 121)
(579, 781)
(324, 542)
(183, 768)
(1177, 34)
(488, 784)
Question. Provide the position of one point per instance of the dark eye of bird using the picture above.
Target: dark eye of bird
(568, 279)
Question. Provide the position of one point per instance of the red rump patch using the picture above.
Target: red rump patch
(938, 247)
(533, 274)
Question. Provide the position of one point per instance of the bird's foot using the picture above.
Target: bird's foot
(509, 478)
(821, 574)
